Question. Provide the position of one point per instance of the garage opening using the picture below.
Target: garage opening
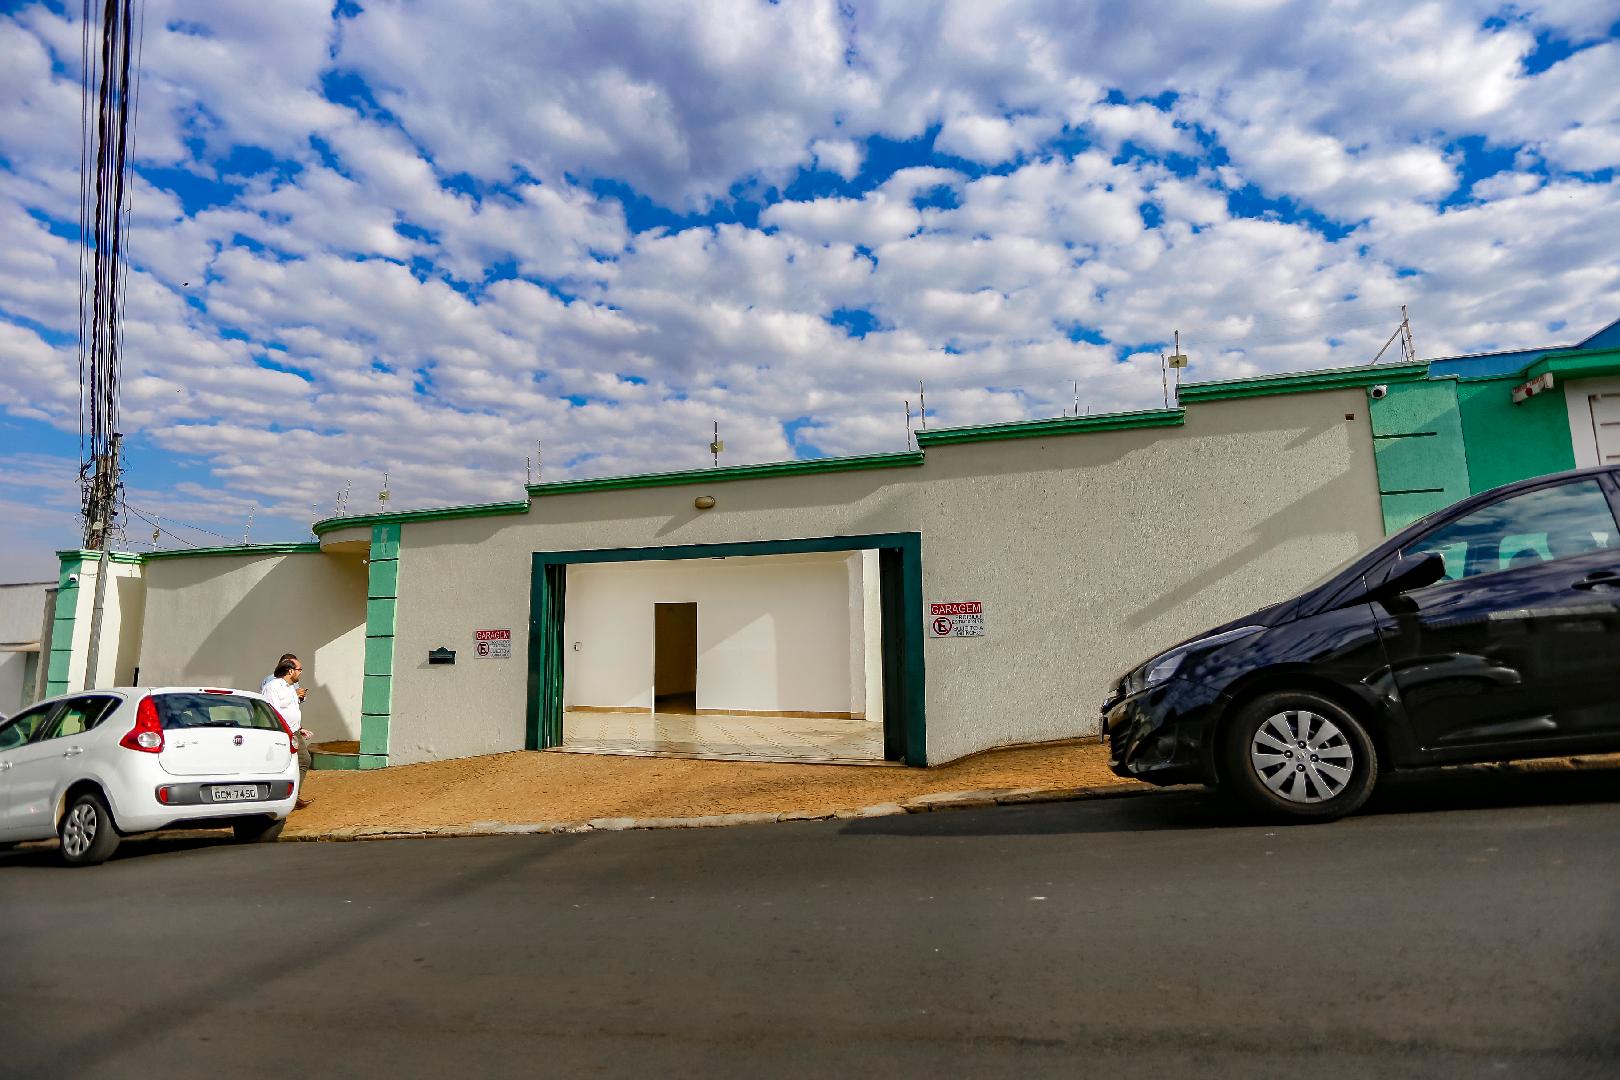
(805, 650)
(675, 658)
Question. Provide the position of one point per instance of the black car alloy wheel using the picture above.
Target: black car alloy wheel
(1298, 754)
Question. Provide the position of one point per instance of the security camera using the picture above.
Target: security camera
(73, 579)
(1379, 392)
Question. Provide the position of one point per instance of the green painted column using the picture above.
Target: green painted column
(377, 691)
(59, 671)
(1418, 450)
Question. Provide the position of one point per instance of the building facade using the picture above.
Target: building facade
(980, 591)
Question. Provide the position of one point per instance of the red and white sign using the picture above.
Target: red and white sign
(956, 618)
(492, 644)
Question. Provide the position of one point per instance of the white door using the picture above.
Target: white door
(1605, 410)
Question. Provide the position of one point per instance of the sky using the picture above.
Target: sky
(420, 239)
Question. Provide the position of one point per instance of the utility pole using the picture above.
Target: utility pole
(108, 88)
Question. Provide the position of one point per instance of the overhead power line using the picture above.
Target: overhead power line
(106, 131)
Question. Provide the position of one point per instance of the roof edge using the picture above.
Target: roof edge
(1303, 382)
(1059, 425)
(432, 513)
(307, 548)
(725, 474)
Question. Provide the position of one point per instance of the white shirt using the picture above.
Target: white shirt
(284, 696)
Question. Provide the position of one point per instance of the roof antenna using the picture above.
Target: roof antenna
(716, 446)
(908, 423)
(1077, 397)
(922, 406)
(249, 528)
(1404, 332)
(1177, 360)
(382, 496)
(1164, 377)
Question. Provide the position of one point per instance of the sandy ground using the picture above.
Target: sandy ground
(527, 786)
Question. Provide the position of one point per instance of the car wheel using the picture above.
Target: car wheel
(1299, 755)
(264, 831)
(86, 831)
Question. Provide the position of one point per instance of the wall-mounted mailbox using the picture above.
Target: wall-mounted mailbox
(441, 655)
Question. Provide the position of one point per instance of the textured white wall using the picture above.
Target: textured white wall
(13, 668)
(224, 620)
(773, 632)
(22, 618)
(1090, 552)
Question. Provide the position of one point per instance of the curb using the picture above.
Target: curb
(921, 804)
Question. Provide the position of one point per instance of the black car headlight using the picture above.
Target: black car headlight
(1161, 668)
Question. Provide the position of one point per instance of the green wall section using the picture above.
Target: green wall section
(1418, 449)
(60, 668)
(377, 691)
(1508, 442)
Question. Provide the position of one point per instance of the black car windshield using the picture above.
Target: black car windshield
(203, 710)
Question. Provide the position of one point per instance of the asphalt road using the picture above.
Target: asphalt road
(1465, 926)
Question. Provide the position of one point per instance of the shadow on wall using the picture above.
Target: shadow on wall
(1269, 534)
(314, 606)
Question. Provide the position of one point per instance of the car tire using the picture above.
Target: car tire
(87, 834)
(1298, 755)
(258, 832)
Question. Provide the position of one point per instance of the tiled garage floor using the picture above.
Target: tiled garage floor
(754, 738)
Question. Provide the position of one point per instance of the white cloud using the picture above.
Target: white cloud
(354, 307)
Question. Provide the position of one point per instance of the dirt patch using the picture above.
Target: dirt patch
(530, 786)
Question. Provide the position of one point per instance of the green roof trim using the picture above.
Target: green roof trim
(732, 472)
(86, 555)
(1304, 382)
(1062, 425)
(1576, 365)
(235, 549)
(436, 513)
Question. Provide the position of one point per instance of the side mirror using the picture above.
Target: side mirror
(1404, 575)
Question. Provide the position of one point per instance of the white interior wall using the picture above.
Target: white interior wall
(857, 634)
(872, 635)
(773, 632)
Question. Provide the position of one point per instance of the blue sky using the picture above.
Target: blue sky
(417, 239)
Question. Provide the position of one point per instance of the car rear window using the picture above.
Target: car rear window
(214, 710)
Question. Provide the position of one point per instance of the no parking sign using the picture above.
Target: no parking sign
(957, 618)
(492, 644)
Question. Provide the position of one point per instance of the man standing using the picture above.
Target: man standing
(287, 696)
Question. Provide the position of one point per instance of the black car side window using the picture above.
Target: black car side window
(1523, 530)
(21, 728)
(79, 716)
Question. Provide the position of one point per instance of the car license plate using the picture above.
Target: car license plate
(235, 792)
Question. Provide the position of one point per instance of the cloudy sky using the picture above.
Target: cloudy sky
(420, 237)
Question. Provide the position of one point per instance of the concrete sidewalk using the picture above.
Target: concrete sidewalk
(547, 791)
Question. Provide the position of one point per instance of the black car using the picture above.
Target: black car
(1487, 631)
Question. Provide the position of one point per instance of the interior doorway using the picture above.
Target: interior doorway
(675, 658)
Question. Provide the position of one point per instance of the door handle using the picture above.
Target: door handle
(1599, 579)
(73, 751)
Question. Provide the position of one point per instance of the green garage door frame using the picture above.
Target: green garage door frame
(900, 576)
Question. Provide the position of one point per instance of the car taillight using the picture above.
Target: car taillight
(147, 734)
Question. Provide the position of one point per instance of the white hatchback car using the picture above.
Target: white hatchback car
(92, 767)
